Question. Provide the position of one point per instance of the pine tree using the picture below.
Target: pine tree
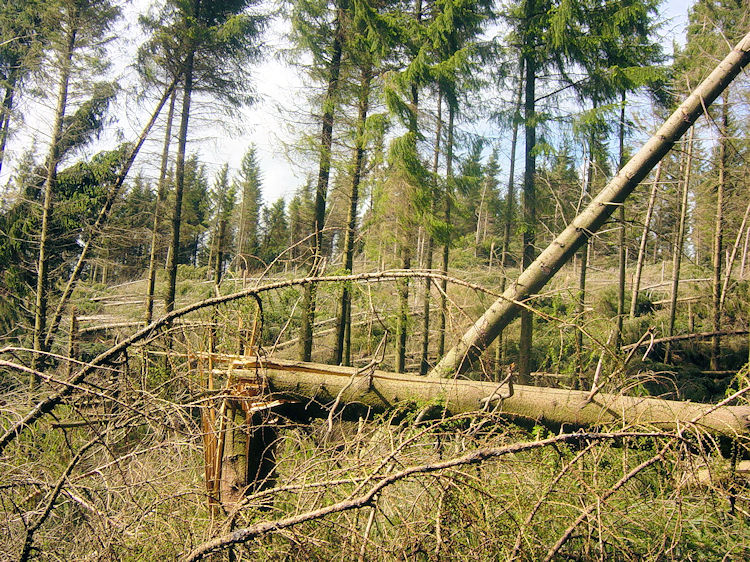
(249, 185)
(77, 28)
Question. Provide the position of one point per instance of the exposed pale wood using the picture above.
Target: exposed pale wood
(380, 390)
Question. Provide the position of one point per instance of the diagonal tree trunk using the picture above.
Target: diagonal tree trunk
(486, 328)
(102, 218)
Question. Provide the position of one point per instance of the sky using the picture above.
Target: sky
(218, 138)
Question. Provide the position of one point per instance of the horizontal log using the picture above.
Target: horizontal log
(381, 390)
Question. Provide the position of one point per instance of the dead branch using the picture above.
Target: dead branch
(475, 457)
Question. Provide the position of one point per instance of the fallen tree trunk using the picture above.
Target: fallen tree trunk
(380, 390)
(549, 262)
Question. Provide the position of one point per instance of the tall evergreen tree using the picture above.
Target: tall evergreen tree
(76, 28)
(249, 186)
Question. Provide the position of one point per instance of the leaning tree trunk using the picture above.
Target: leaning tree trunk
(644, 240)
(718, 236)
(679, 244)
(103, 216)
(161, 196)
(342, 347)
(321, 191)
(40, 309)
(484, 330)
(510, 204)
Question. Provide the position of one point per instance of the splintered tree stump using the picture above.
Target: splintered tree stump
(249, 458)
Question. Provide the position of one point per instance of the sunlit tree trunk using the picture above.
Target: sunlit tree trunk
(718, 248)
(321, 192)
(424, 364)
(40, 308)
(502, 311)
(345, 304)
(161, 195)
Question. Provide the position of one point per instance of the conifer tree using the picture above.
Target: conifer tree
(76, 28)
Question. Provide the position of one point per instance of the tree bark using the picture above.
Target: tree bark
(345, 304)
(5, 113)
(510, 206)
(718, 236)
(161, 196)
(447, 216)
(321, 191)
(424, 364)
(529, 190)
(380, 390)
(486, 328)
(622, 256)
(403, 313)
(179, 184)
(40, 308)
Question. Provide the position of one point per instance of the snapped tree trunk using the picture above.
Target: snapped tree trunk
(380, 390)
(486, 328)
